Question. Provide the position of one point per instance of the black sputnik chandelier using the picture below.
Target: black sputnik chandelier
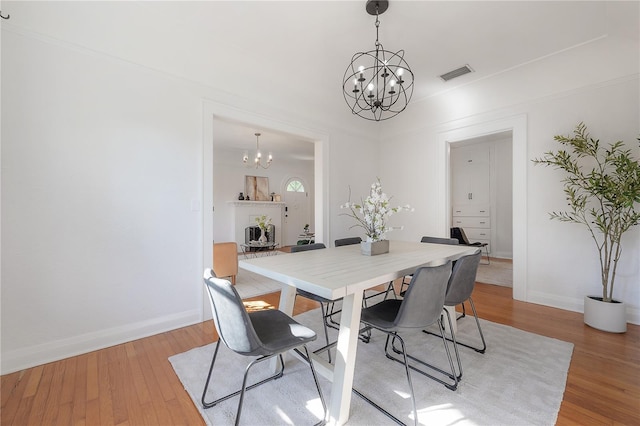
(378, 84)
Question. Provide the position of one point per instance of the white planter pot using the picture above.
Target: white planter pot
(605, 316)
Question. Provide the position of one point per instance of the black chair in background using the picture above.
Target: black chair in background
(263, 334)
(458, 234)
(421, 307)
(347, 241)
(439, 240)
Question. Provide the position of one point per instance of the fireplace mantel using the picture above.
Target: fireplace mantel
(255, 203)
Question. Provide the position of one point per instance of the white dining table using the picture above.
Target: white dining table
(343, 272)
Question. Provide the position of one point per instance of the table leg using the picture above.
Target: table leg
(345, 363)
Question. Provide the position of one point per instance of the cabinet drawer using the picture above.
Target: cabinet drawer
(471, 222)
(477, 234)
(471, 210)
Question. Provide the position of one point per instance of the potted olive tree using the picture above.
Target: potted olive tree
(602, 187)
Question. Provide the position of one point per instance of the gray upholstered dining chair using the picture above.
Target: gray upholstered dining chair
(420, 308)
(460, 288)
(432, 240)
(263, 334)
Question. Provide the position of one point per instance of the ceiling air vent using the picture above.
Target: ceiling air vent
(456, 73)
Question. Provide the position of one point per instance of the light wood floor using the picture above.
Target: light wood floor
(134, 384)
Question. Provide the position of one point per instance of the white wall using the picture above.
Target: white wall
(102, 195)
(100, 243)
(602, 90)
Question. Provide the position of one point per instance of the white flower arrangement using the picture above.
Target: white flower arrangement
(263, 222)
(372, 214)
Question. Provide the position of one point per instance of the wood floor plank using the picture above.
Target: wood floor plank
(12, 392)
(104, 388)
(34, 381)
(120, 379)
(134, 384)
(43, 392)
(52, 403)
(79, 409)
(136, 374)
(93, 390)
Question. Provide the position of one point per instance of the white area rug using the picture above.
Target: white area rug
(520, 380)
(498, 272)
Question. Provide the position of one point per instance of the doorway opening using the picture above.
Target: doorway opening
(463, 131)
(298, 211)
(481, 199)
(213, 114)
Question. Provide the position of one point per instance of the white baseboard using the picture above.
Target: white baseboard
(575, 305)
(60, 349)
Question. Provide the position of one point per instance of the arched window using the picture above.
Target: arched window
(295, 186)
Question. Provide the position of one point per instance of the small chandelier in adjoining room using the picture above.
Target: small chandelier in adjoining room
(257, 160)
(378, 84)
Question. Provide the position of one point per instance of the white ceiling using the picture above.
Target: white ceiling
(301, 49)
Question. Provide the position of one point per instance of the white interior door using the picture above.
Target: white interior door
(297, 211)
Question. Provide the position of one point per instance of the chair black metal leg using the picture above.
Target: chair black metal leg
(464, 312)
(407, 367)
(392, 289)
(277, 375)
(455, 377)
(455, 347)
(315, 380)
(326, 331)
(475, 315)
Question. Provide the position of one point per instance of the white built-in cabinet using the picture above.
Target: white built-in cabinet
(471, 192)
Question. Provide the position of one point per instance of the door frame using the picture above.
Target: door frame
(211, 111)
(285, 182)
(518, 126)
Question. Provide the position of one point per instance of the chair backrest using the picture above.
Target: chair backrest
(424, 299)
(305, 247)
(458, 234)
(230, 316)
(225, 259)
(463, 279)
(348, 241)
(437, 240)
